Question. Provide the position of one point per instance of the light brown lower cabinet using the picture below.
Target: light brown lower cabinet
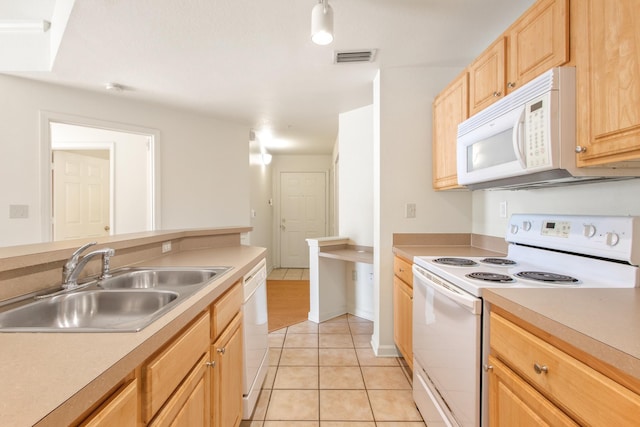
(403, 308)
(120, 409)
(190, 404)
(194, 380)
(538, 382)
(163, 374)
(514, 402)
(227, 376)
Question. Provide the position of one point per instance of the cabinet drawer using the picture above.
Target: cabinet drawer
(167, 370)
(225, 308)
(402, 269)
(119, 410)
(584, 393)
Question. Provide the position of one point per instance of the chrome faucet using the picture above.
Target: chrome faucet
(72, 262)
(74, 265)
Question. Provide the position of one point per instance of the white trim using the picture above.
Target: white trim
(47, 117)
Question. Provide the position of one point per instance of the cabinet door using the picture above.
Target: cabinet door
(226, 405)
(189, 406)
(450, 108)
(487, 77)
(121, 409)
(167, 370)
(538, 41)
(513, 402)
(608, 81)
(402, 319)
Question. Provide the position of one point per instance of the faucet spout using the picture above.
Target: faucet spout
(71, 281)
(72, 262)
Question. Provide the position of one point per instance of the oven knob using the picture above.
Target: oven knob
(526, 225)
(514, 229)
(612, 239)
(589, 230)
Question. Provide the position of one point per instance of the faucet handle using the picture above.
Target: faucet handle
(106, 263)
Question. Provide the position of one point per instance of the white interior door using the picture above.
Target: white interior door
(302, 215)
(80, 195)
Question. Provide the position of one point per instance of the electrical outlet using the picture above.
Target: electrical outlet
(166, 247)
(503, 209)
(410, 210)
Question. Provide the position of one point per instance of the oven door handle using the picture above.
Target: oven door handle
(468, 301)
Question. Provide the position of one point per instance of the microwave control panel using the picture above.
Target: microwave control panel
(537, 132)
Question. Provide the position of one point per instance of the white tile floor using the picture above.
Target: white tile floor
(289, 274)
(327, 375)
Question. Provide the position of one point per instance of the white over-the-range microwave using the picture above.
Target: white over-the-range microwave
(528, 139)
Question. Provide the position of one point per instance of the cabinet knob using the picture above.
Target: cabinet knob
(497, 94)
(581, 149)
(211, 364)
(487, 368)
(540, 369)
(511, 85)
(221, 350)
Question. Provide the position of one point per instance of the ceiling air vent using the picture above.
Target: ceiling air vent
(347, 56)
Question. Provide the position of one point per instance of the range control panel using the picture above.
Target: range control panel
(611, 237)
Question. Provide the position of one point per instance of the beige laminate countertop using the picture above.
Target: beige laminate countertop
(408, 252)
(602, 322)
(51, 378)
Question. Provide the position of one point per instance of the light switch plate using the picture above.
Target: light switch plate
(410, 210)
(19, 211)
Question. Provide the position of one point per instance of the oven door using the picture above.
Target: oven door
(447, 324)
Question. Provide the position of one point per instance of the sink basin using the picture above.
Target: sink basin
(126, 302)
(92, 310)
(167, 278)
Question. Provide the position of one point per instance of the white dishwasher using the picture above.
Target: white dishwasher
(255, 336)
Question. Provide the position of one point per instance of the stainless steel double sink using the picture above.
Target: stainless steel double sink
(127, 301)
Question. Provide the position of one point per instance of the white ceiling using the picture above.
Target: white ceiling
(252, 61)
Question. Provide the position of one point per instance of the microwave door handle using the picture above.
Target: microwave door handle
(518, 139)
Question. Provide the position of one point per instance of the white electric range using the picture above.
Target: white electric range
(548, 251)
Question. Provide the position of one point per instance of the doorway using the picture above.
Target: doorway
(102, 178)
(81, 193)
(303, 213)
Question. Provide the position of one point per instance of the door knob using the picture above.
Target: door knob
(107, 228)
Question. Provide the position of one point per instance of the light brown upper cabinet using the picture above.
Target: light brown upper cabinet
(487, 77)
(608, 80)
(536, 42)
(450, 108)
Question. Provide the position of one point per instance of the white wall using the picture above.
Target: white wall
(355, 201)
(611, 198)
(204, 169)
(402, 174)
(261, 203)
(355, 142)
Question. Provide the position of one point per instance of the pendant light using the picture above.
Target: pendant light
(322, 23)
